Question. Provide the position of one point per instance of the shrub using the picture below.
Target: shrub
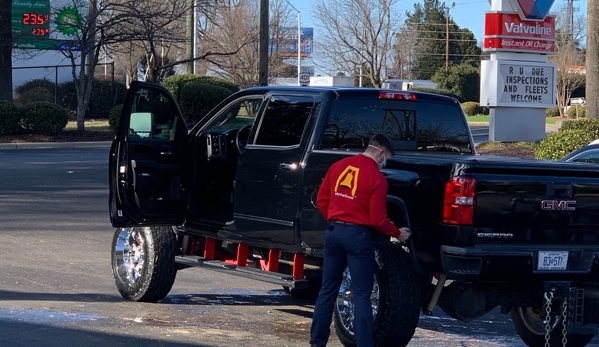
(10, 118)
(115, 117)
(42, 83)
(104, 96)
(174, 84)
(198, 99)
(34, 95)
(472, 108)
(552, 112)
(571, 113)
(588, 125)
(571, 136)
(44, 117)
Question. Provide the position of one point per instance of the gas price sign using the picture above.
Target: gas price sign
(30, 22)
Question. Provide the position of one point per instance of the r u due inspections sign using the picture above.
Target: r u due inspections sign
(517, 84)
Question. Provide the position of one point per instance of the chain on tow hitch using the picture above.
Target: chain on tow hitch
(564, 322)
(548, 300)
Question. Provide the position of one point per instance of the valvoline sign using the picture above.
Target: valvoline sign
(535, 10)
(530, 29)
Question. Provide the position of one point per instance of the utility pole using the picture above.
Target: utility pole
(299, 44)
(447, 8)
(5, 51)
(570, 17)
(191, 34)
(592, 60)
(263, 64)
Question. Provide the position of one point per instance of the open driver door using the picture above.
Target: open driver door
(147, 158)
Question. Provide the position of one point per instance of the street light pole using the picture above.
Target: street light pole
(263, 63)
(299, 48)
(299, 44)
(447, 8)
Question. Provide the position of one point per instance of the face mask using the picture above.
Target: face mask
(384, 163)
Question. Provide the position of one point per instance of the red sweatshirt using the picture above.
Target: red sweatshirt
(354, 190)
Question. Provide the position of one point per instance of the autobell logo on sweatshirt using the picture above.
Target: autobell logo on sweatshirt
(347, 183)
(532, 9)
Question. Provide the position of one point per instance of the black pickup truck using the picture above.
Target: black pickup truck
(237, 194)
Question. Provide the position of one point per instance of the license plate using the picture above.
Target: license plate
(552, 261)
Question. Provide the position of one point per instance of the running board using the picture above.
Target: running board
(243, 271)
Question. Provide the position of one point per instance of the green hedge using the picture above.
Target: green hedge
(40, 89)
(115, 117)
(588, 125)
(571, 136)
(104, 96)
(10, 118)
(42, 83)
(44, 117)
(197, 99)
(472, 108)
(174, 84)
(552, 112)
(571, 113)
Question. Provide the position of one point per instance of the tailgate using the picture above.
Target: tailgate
(536, 202)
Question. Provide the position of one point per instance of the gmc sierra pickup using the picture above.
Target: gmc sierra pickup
(237, 193)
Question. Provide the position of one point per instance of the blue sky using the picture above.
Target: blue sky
(466, 13)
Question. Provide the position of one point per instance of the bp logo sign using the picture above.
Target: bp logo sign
(532, 9)
(68, 21)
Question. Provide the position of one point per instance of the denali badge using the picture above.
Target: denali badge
(558, 205)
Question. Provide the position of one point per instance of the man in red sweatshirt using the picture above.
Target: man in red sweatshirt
(353, 198)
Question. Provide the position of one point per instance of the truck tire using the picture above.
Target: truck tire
(531, 329)
(395, 300)
(143, 262)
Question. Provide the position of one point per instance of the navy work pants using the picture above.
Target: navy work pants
(345, 245)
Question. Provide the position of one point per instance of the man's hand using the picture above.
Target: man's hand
(404, 234)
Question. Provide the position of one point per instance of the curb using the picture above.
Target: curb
(43, 145)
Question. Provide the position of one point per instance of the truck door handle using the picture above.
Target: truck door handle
(285, 166)
(166, 150)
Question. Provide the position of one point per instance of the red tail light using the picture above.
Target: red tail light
(458, 202)
(389, 95)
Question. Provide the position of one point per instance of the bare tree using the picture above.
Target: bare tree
(358, 34)
(592, 60)
(155, 30)
(568, 56)
(239, 32)
(406, 49)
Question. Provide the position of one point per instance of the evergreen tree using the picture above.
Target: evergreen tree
(463, 80)
(429, 19)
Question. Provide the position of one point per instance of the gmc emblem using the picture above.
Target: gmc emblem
(558, 205)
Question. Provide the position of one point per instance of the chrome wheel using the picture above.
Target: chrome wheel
(534, 320)
(130, 255)
(345, 306)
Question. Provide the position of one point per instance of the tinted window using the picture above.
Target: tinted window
(430, 127)
(591, 156)
(236, 115)
(152, 116)
(284, 120)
